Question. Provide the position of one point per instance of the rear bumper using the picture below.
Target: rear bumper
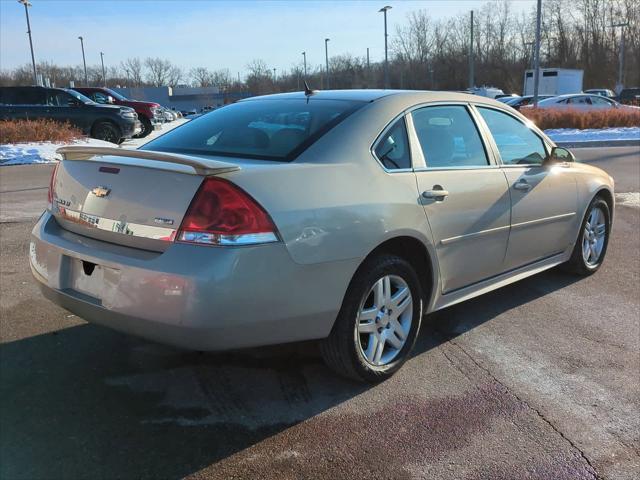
(190, 296)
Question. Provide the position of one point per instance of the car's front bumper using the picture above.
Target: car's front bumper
(196, 297)
(130, 128)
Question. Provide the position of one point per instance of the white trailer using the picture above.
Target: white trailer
(554, 81)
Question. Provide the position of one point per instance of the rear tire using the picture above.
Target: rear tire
(593, 239)
(107, 132)
(147, 128)
(369, 342)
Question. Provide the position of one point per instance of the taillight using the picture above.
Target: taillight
(51, 192)
(223, 214)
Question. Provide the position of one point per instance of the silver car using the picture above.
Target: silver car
(342, 216)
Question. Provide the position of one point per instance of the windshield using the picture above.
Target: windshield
(116, 95)
(79, 96)
(276, 129)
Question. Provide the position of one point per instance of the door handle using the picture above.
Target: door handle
(435, 193)
(522, 185)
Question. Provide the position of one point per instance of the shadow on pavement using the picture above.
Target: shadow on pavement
(87, 402)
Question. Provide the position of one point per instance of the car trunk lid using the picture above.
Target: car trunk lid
(129, 197)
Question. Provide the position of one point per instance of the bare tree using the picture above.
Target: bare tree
(133, 71)
(158, 71)
(201, 77)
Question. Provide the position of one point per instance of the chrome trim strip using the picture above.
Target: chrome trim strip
(448, 241)
(543, 220)
(462, 167)
(117, 226)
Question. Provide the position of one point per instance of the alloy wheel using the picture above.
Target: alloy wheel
(384, 320)
(593, 238)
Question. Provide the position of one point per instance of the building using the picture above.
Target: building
(183, 98)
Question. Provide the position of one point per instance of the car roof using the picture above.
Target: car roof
(372, 95)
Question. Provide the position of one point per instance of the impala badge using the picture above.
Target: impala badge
(163, 221)
(101, 191)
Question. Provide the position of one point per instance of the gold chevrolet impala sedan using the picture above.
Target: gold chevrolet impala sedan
(341, 216)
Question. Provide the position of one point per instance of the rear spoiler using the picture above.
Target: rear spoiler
(199, 165)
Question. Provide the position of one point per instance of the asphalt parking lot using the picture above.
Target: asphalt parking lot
(538, 380)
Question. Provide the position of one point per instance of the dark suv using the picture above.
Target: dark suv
(105, 122)
(630, 96)
(149, 113)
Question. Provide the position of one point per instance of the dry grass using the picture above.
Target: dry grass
(568, 118)
(21, 131)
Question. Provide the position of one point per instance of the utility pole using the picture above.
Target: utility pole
(536, 60)
(86, 79)
(620, 84)
(304, 59)
(274, 74)
(472, 81)
(104, 77)
(368, 65)
(326, 55)
(33, 58)
(386, 49)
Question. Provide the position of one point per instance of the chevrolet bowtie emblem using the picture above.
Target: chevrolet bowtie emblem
(101, 191)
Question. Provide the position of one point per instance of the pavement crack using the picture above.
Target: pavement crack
(537, 412)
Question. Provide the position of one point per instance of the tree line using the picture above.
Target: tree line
(425, 53)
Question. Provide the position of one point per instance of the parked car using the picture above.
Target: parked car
(148, 112)
(489, 92)
(506, 96)
(105, 122)
(245, 227)
(604, 92)
(630, 96)
(581, 101)
(518, 102)
(168, 115)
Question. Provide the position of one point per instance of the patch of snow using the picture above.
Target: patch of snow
(629, 199)
(45, 152)
(591, 134)
(40, 152)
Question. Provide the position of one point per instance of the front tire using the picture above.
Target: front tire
(591, 246)
(378, 323)
(147, 128)
(107, 132)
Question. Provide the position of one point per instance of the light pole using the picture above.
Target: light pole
(104, 77)
(86, 80)
(620, 85)
(33, 58)
(536, 60)
(274, 74)
(304, 58)
(326, 55)
(386, 50)
(472, 80)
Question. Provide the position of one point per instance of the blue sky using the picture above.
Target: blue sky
(215, 34)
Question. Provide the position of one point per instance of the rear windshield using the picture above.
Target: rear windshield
(278, 129)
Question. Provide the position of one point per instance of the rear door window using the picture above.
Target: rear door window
(449, 137)
(58, 98)
(269, 129)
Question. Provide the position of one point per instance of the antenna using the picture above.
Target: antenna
(307, 91)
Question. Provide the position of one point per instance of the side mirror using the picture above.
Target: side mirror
(111, 100)
(560, 155)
